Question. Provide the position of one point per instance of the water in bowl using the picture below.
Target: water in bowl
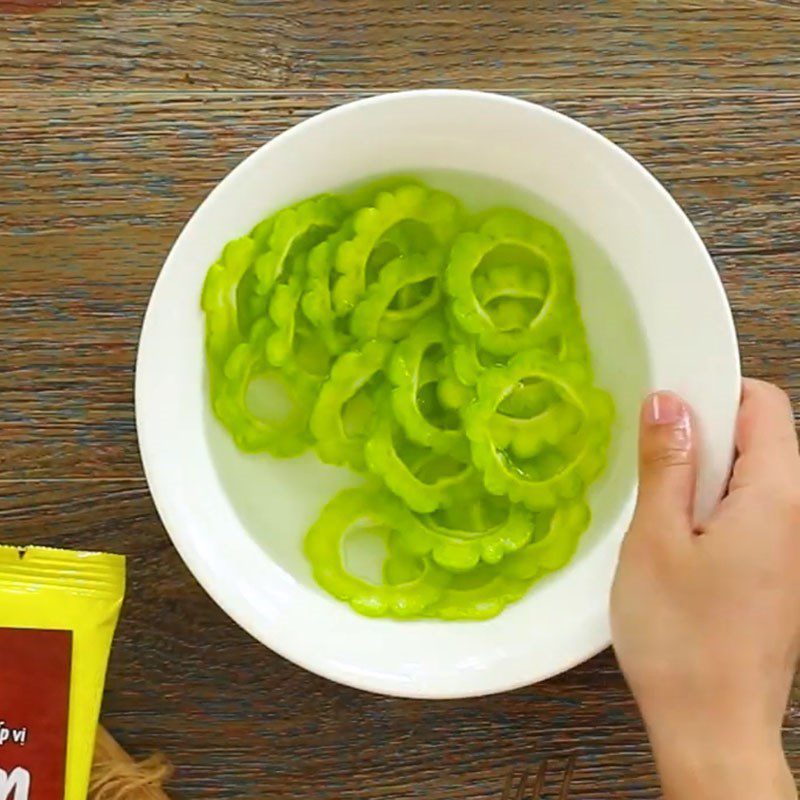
(277, 500)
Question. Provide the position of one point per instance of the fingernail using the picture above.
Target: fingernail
(666, 408)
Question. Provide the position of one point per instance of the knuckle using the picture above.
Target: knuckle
(666, 456)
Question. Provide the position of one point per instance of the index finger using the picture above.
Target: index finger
(765, 431)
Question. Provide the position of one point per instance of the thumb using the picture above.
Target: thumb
(667, 465)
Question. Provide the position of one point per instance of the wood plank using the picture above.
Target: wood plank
(89, 161)
(94, 189)
(297, 45)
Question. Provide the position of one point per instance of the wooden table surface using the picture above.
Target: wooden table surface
(116, 118)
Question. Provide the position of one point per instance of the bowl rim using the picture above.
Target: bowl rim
(152, 458)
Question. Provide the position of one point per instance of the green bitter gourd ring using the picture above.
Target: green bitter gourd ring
(578, 458)
(312, 218)
(437, 211)
(462, 549)
(324, 549)
(219, 301)
(317, 300)
(337, 441)
(556, 536)
(406, 374)
(422, 478)
(507, 227)
(284, 305)
(480, 594)
(526, 437)
(374, 316)
(282, 438)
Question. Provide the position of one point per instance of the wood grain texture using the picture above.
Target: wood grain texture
(297, 45)
(116, 118)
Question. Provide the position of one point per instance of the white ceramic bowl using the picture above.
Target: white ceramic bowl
(656, 316)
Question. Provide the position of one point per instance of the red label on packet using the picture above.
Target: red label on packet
(34, 711)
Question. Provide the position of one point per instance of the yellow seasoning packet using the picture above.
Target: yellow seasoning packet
(58, 612)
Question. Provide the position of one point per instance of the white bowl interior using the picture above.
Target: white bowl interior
(656, 317)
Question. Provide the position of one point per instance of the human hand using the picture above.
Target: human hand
(706, 623)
